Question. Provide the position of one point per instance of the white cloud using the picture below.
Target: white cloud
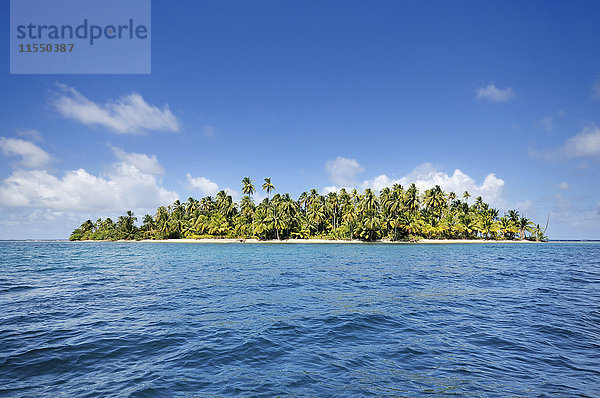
(206, 186)
(144, 163)
(523, 206)
(584, 144)
(31, 155)
(382, 181)
(546, 122)
(61, 202)
(343, 170)
(492, 93)
(125, 187)
(571, 219)
(235, 195)
(426, 176)
(45, 215)
(129, 184)
(210, 188)
(258, 196)
(25, 223)
(564, 185)
(31, 134)
(330, 189)
(129, 114)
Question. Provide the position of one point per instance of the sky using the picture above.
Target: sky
(498, 98)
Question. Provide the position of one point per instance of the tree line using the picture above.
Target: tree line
(395, 213)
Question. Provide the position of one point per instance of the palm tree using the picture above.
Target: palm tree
(449, 225)
(247, 207)
(268, 186)
(126, 224)
(191, 206)
(524, 226)
(410, 224)
(177, 222)
(452, 196)
(316, 214)
(487, 226)
(435, 201)
(412, 198)
(108, 224)
(273, 206)
(466, 195)
(468, 225)
(313, 196)
(218, 225)
(538, 233)
(478, 202)
(248, 187)
(371, 226)
(201, 224)
(303, 201)
(369, 201)
(87, 226)
(207, 204)
(148, 225)
(332, 204)
(508, 227)
(355, 196)
(162, 221)
(349, 216)
(176, 206)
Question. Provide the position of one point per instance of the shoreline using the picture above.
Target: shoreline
(312, 241)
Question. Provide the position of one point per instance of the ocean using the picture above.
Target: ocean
(171, 319)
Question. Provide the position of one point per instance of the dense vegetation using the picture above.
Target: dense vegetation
(395, 214)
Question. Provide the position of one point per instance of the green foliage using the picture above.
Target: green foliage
(395, 214)
(78, 234)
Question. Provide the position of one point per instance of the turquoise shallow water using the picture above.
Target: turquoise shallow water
(144, 319)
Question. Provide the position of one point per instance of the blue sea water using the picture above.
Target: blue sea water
(160, 319)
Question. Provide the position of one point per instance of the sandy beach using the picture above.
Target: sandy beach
(318, 241)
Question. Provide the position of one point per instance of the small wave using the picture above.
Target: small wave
(15, 289)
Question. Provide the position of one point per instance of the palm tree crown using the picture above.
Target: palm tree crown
(247, 186)
(268, 186)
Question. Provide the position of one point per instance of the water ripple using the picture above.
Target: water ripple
(145, 320)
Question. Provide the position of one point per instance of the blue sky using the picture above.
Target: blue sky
(502, 99)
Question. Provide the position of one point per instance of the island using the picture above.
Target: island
(395, 214)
